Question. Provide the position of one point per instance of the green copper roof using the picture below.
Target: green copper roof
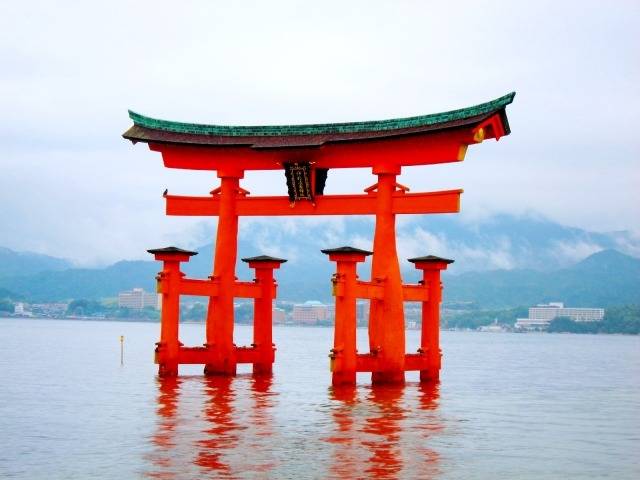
(322, 128)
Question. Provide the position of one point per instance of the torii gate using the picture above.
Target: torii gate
(305, 153)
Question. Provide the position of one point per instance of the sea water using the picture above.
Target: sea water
(539, 406)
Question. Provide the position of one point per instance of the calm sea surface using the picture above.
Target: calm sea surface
(508, 406)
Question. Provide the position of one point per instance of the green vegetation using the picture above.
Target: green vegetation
(244, 313)
(197, 312)
(194, 313)
(478, 318)
(6, 305)
(624, 319)
(93, 308)
(607, 278)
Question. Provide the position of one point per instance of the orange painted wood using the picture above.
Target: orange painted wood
(386, 315)
(204, 288)
(367, 362)
(415, 293)
(169, 344)
(405, 150)
(220, 314)
(369, 290)
(203, 355)
(263, 317)
(343, 354)
(246, 355)
(416, 361)
(194, 355)
(247, 290)
(447, 201)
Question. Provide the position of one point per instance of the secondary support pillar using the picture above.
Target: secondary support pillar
(168, 347)
(220, 315)
(263, 312)
(343, 354)
(431, 267)
(386, 318)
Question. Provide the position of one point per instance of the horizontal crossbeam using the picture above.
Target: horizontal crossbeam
(367, 362)
(203, 355)
(447, 201)
(415, 293)
(211, 288)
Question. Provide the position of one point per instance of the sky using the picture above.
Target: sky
(71, 187)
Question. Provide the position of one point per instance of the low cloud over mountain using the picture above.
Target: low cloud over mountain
(501, 261)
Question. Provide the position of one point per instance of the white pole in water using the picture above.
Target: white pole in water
(121, 349)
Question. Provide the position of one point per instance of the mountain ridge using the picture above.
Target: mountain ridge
(517, 260)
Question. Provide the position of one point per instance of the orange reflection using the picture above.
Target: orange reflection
(164, 438)
(385, 434)
(346, 460)
(383, 427)
(430, 424)
(209, 427)
(260, 436)
(217, 427)
(240, 427)
(222, 432)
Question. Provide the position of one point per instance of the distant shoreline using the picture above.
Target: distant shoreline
(294, 325)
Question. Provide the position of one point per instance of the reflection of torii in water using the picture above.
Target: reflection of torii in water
(232, 427)
(385, 433)
(306, 153)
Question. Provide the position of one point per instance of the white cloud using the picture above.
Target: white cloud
(575, 251)
(70, 186)
(417, 242)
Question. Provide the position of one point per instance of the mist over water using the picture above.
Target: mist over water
(508, 406)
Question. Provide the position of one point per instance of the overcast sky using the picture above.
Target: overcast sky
(70, 186)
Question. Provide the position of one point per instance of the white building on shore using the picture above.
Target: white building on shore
(20, 310)
(540, 316)
(139, 299)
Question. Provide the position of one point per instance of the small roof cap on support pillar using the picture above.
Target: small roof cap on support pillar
(329, 251)
(346, 254)
(264, 262)
(430, 258)
(172, 253)
(263, 258)
(430, 262)
(176, 250)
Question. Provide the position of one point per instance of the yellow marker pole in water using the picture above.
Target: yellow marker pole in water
(121, 349)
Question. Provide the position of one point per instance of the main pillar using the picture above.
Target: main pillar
(220, 315)
(168, 348)
(386, 318)
(431, 267)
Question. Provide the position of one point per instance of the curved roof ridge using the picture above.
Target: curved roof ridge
(322, 128)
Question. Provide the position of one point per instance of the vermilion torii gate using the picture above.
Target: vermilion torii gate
(305, 153)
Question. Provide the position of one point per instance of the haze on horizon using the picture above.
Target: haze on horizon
(72, 187)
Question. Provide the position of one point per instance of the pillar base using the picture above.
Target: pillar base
(343, 378)
(168, 370)
(389, 378)
(224, 370)
(262, 369)
(427, 376)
